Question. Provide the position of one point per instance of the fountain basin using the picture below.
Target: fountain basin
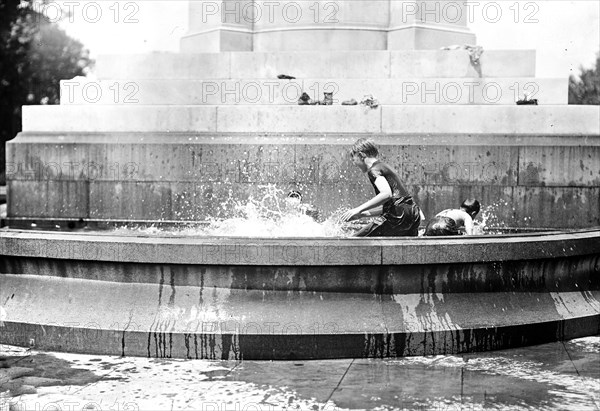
(296, 298)
(532, 180)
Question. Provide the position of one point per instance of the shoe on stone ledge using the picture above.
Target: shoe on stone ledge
(305, 100)
(370, 101)
(527, 101)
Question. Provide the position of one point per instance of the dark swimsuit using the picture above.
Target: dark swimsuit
(401, 216)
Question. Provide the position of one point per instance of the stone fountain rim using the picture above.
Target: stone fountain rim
(300, 251)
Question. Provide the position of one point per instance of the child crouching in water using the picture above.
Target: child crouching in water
(454, 221)
(399, 215)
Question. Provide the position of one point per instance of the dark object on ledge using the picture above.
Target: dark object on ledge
(351, 102)
(370, 101)
(285, 77)
(527, 101)
(305, 100)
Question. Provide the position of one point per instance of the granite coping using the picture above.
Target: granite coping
(552, 120)
(345, 140)
(106, 246)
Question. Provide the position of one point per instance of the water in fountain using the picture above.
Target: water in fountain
(493, 220)
(273, 214)
(270, 214)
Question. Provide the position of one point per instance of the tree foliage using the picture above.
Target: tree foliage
(586, 88)
(35, 55)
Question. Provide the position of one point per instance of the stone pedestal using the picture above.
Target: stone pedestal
(257, 25)
(170, 136)
(427, 24)
(219, 25)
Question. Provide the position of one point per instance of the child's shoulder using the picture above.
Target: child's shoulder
(381, 166)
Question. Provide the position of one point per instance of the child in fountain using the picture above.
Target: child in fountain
(454, 221)
(397, 214)
(294, 202)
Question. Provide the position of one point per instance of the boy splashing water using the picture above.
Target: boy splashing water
(398, 213)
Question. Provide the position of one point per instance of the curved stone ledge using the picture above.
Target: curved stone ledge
(544, 275)
(304, 298)
(297, 251)
(158, 320)
(294, 347)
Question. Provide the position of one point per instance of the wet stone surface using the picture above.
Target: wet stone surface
(556, 376)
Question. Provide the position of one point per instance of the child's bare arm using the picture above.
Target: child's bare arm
(373, 212)
(468, 225)
(385, 193)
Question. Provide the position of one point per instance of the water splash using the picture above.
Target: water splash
(490, 221)
(273, 214)
(269, 214)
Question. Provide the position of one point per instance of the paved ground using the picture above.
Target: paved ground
(557, 376)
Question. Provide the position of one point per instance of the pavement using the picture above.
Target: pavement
(555, 376)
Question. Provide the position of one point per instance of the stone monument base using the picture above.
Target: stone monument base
(413, 37)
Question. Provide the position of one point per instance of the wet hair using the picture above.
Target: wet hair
(471, 206)
(295, 194)
(365, 146)
(441, 226)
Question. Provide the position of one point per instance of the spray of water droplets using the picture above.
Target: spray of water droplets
(271, 213)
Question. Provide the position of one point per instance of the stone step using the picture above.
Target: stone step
(412, 91)
(243, 298)
(304, 298)
(423, 119)
(319, 64)
(254, 325)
